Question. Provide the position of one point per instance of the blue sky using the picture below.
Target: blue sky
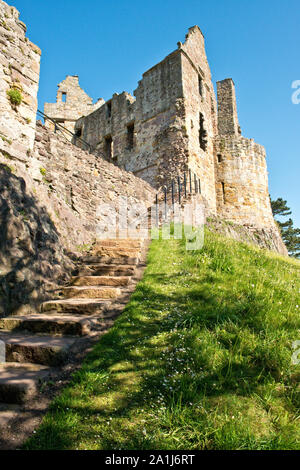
(109, 44)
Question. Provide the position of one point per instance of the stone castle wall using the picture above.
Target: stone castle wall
(48, 208)
(161, 144)
(242, 182)
(33, 259)
(199, 103)
(143, 134)
(241, 175)
(82, 180)
(175, 124)
(228, 123)
(171, 100)
(109, 120)
(164, 121)
(19, 73)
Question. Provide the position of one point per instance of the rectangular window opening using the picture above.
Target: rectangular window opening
(64, 97)
(109, 147)
(130, 136)
(220, 159)
(78, 132)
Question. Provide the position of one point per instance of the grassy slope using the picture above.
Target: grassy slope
(200, 359)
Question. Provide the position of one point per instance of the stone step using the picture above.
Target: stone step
(18, 382)
(105, 269)
(121, 260)
(119, 243)
(112, 281)
(77, 307)
(47, 324)
(115, 251)
(92, 292)
(45, 350)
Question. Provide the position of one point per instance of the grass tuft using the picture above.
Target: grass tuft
(15, 96)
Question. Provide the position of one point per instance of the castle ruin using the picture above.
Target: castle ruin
(174, 124)
(59, 281)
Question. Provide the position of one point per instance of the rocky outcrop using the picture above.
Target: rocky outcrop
(269, 239)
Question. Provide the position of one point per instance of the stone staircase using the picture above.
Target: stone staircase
(38, 345)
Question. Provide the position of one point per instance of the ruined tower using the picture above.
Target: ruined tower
(241, 169)
(228, 123)
(169, 125)
(71, 103)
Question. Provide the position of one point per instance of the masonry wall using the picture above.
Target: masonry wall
(33, 258)
(48, 208)
(19, 70)
(199, 97)
(242, 182)
(165, 119)
(173, 125)
(228, 123)
(240, 167)
(161, 138)
(157, 150)
(82, 181)
(110, 120)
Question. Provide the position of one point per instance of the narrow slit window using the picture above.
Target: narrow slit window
(108, 109)
(200, 85)
(130, 136)
(223, 192)
(202, 133)
(220, 159)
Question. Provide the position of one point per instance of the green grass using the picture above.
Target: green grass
(200, 358)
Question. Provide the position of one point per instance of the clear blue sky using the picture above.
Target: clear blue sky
(109, 44)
